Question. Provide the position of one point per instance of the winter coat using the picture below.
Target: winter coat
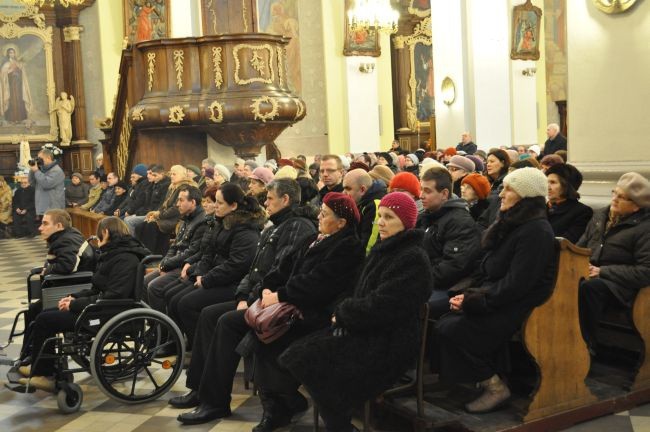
(115, 276)
(569, 219)
(157, 193)
(452, 242)
(94, 194)
(292, 227)
(381, 329)
(169, 214)
(62, 250)
(318, 199)
(553, 145)
(494, 203)
(622, 253)
(187, 242)
(136, 203)
(118, 200)
(232, 251)
(368, 211)
(469, 148)
(105, 201)
(48, 183)
(24, 199)
(477, 208)
(76, 194)
(6, 199)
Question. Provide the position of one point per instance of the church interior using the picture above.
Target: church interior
(144, 86)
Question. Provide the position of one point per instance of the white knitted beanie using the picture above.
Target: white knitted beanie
(527, 182)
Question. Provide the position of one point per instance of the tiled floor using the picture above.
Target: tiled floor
(38, 411)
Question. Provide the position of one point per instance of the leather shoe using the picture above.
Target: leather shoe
(188, 400)
(166, 351)
(271, 423)
(203, 414)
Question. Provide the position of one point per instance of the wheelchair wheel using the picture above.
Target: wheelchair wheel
(69, 400)
(122, 356)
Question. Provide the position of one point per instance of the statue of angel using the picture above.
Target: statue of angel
(64, 107)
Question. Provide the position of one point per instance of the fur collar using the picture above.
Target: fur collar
(409, 237)
(525, 210)
(255, 219)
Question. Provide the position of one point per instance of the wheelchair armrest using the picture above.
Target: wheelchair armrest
(72, 277)
(102, 310)
(35, 270)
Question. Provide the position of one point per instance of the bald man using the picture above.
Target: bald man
(556, 141)
(466, 144)
(367, 193)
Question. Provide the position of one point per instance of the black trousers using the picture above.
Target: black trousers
(335, 420)
(24, 225)
(192, 301)
(47, 324)
(593, 298)
(214, 359)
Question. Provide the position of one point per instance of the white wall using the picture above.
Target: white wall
(185, 18)
(362, 105)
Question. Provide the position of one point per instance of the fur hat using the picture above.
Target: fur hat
(479, 183)
(383, 173)
(141, 170)
(568, 173)
(478, 163)
(343, 206)
(552, 159)
(403, 206)
(122, 184)
(262, 174)
(359, 165)
(461, 162)
(406, 181)
(527, 182)
(286, 171)
(636, 187)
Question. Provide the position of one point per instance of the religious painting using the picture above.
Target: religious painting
(146, 19)
(26, 84)
(361, 42)
(281, 17)
(526, 20)
(420, 8)
(423, 72)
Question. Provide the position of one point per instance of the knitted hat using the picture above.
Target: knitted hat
(343, 206)
(223, 171)
(286, 171)
(359, 165)
(262, 174)
(461, 162)
(78, 175)
(478, 163)
(122, 184)
(479, 183)
(383, 173)
(196, 170)
(569, 173)
(141, 170)
(636, 187)
(403, 206)
(534, 148)
(406, 181)
(450, 152)
(527, 182)
(209, 173)
(414, 158)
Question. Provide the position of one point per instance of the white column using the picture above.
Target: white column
(362, 105)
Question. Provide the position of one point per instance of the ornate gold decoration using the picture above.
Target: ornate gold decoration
(179, 57)
(216, 112)
(258, 63)
(421, 31)
(151, 68)
(27, 11)
(300, 108)
(255, 48)
(12, 31)
(243, 14)
(614, 6)
(257, 104)
(280, 65)
(216, 66)
(176, 114)
(137, 114)
(213, 15)
(417, 11)
(72, 33)
(123, 146)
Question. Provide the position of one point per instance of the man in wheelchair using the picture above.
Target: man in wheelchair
(115, 277)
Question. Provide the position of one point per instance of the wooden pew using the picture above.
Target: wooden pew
(642, 323)
(86, 222)
(552, 336)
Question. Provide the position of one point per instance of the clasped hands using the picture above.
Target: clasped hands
(456, 302)
(269, 298)
(64, 303)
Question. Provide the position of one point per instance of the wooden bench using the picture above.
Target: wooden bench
(552, 336)
(642, 323)
(86, 222)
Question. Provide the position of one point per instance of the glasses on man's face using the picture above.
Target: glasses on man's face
(618, 197)
(328, 170)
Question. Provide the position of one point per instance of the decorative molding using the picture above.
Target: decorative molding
(123, 146)
(614, 6)
(176, 114)
(151, 69)
(254, 48)
(300, 108)
(216, 112)
(256, 108)
(216, 66)
(258, 64)
(27, 11)
(137, 114)
(213, 15)
(421, 33)
(280, 54)
(244, 11)
(72, 33)
(179, 57)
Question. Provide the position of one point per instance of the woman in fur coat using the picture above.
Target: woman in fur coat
(375, 333)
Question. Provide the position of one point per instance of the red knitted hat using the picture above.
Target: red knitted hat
(343, 206)
(479, 183)
(406, 181)
(450, 151)
(403, 206)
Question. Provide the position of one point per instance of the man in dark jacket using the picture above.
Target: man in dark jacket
(187, 243)
(556, 141)
(619, 239)
(451, 238)
(222, 327)
(64, 243)
(24, 210)
(466, 144)
(136, 203)
(108, 196)
(155, 193)
(331, 174)
(366, 193)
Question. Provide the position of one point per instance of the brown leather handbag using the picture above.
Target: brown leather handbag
(271, 322)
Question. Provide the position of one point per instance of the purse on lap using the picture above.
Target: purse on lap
(271, 322)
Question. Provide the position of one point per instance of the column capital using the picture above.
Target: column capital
(72, 33)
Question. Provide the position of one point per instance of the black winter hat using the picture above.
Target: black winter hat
(569, 173)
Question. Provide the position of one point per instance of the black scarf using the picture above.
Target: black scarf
(525, 210)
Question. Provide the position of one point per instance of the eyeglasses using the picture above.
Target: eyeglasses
(619, 197)
(328, 170)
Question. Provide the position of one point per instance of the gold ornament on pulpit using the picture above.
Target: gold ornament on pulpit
(614, 6)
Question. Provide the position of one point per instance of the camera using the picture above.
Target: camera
(37, 161)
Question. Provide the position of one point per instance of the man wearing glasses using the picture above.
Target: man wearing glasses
(331, 174)
(619, 239)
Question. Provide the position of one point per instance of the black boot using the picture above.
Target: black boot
(188, 400)
(203, 414)
(270, 423)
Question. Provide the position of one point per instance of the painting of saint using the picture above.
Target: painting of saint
(146, 19)
(424, 91)
(16, 101)
(525, 32)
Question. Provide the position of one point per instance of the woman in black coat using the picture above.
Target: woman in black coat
(375, 333)
(497, 166)
(568, 216)
(517, 275)
(114, 278)
(321, 274)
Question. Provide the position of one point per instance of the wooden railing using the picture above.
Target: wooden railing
(86, 222)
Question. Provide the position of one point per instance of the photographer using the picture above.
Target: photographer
(47, 178)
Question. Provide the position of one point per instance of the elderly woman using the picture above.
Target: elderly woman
(517, 275)
(568, 216)
(375, 333)
(76, 193)
(323, 273)
(115, 278)
(619, 239)
(497, 165)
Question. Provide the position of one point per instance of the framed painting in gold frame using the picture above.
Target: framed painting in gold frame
(526, 20)
(146, 20)
(359, 42)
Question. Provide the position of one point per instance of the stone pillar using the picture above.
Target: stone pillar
(74, 82)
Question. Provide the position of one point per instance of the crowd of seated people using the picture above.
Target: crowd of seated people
(357, 244)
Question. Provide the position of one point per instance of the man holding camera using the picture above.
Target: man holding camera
(47, 178)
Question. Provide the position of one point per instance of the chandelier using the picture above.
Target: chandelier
(373, 15)
(64, 3)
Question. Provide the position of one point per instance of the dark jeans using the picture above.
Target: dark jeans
(156, 285)
(47, 324)
(593, 298)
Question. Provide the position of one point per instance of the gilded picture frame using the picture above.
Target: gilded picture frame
(359, 43)
(146, 20)
(526, 22)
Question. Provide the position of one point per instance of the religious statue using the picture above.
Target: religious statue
(64, 107)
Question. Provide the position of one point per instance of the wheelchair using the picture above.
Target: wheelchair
(115, 341)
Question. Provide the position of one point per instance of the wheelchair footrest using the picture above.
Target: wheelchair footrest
(13, 375)
(19, 388)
